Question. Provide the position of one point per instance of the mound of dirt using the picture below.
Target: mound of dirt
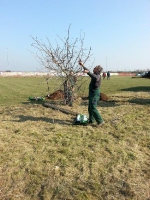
(57, 95)
(103, 97)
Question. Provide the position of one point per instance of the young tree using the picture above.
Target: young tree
(64, 57)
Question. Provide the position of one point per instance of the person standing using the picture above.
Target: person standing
(108, 75)
(94, 94)
(104, 75)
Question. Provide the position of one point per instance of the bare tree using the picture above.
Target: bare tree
(64, 57)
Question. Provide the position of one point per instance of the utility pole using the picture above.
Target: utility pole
(7, 59)
(106, 63)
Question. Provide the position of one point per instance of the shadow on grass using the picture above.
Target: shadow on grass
(23, 118)
(101, 103)
(83, 103)
(56, 102)
(32, 102)
(115, 103)
(139, 101)
(137, 89)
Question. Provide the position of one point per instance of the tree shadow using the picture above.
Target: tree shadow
(137, 89)
(23, 118)
(32, 102)
(56, 102)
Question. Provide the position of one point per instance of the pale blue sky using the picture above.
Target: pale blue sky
(116, 29)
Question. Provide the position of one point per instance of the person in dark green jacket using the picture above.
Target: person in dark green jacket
(94, 94)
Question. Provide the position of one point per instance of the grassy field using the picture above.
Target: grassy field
(44, 157)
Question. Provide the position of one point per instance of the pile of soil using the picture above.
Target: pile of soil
(103, 97)
(57, 95)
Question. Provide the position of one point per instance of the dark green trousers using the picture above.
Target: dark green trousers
(93, 112)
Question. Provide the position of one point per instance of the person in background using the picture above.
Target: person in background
(108, 75)
(104, 75)
(94, 94)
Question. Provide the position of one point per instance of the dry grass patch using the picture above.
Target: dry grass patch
(44, 156)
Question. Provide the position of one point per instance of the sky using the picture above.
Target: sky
(118, 31)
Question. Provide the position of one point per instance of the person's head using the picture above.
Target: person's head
(98, 69)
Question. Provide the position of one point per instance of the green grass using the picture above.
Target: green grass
(44, 157)
(17, 90)
(125, 83)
